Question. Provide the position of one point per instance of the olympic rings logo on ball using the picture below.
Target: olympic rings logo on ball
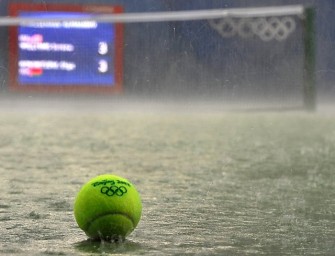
(114, 190)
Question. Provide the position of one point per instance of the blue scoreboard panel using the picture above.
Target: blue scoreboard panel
(65, 55)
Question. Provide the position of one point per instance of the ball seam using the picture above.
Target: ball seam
(87, 226)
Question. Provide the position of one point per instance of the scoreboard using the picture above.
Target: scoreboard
(65, 55)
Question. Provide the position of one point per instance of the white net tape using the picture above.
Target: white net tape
(267, 29)
(244, 13)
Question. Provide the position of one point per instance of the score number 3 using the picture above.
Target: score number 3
(102, 64)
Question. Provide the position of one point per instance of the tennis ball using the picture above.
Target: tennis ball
(108, 207)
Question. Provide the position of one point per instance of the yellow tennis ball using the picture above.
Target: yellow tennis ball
(108, 207)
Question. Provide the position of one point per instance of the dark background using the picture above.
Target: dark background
(150, 48)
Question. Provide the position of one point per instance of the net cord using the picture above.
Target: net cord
(166, 16)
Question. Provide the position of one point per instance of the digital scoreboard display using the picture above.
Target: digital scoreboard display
(65, 55)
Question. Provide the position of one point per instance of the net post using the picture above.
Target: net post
(309, 80)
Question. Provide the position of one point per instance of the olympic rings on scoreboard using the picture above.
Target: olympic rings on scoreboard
(114, 190)
(267, 29)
